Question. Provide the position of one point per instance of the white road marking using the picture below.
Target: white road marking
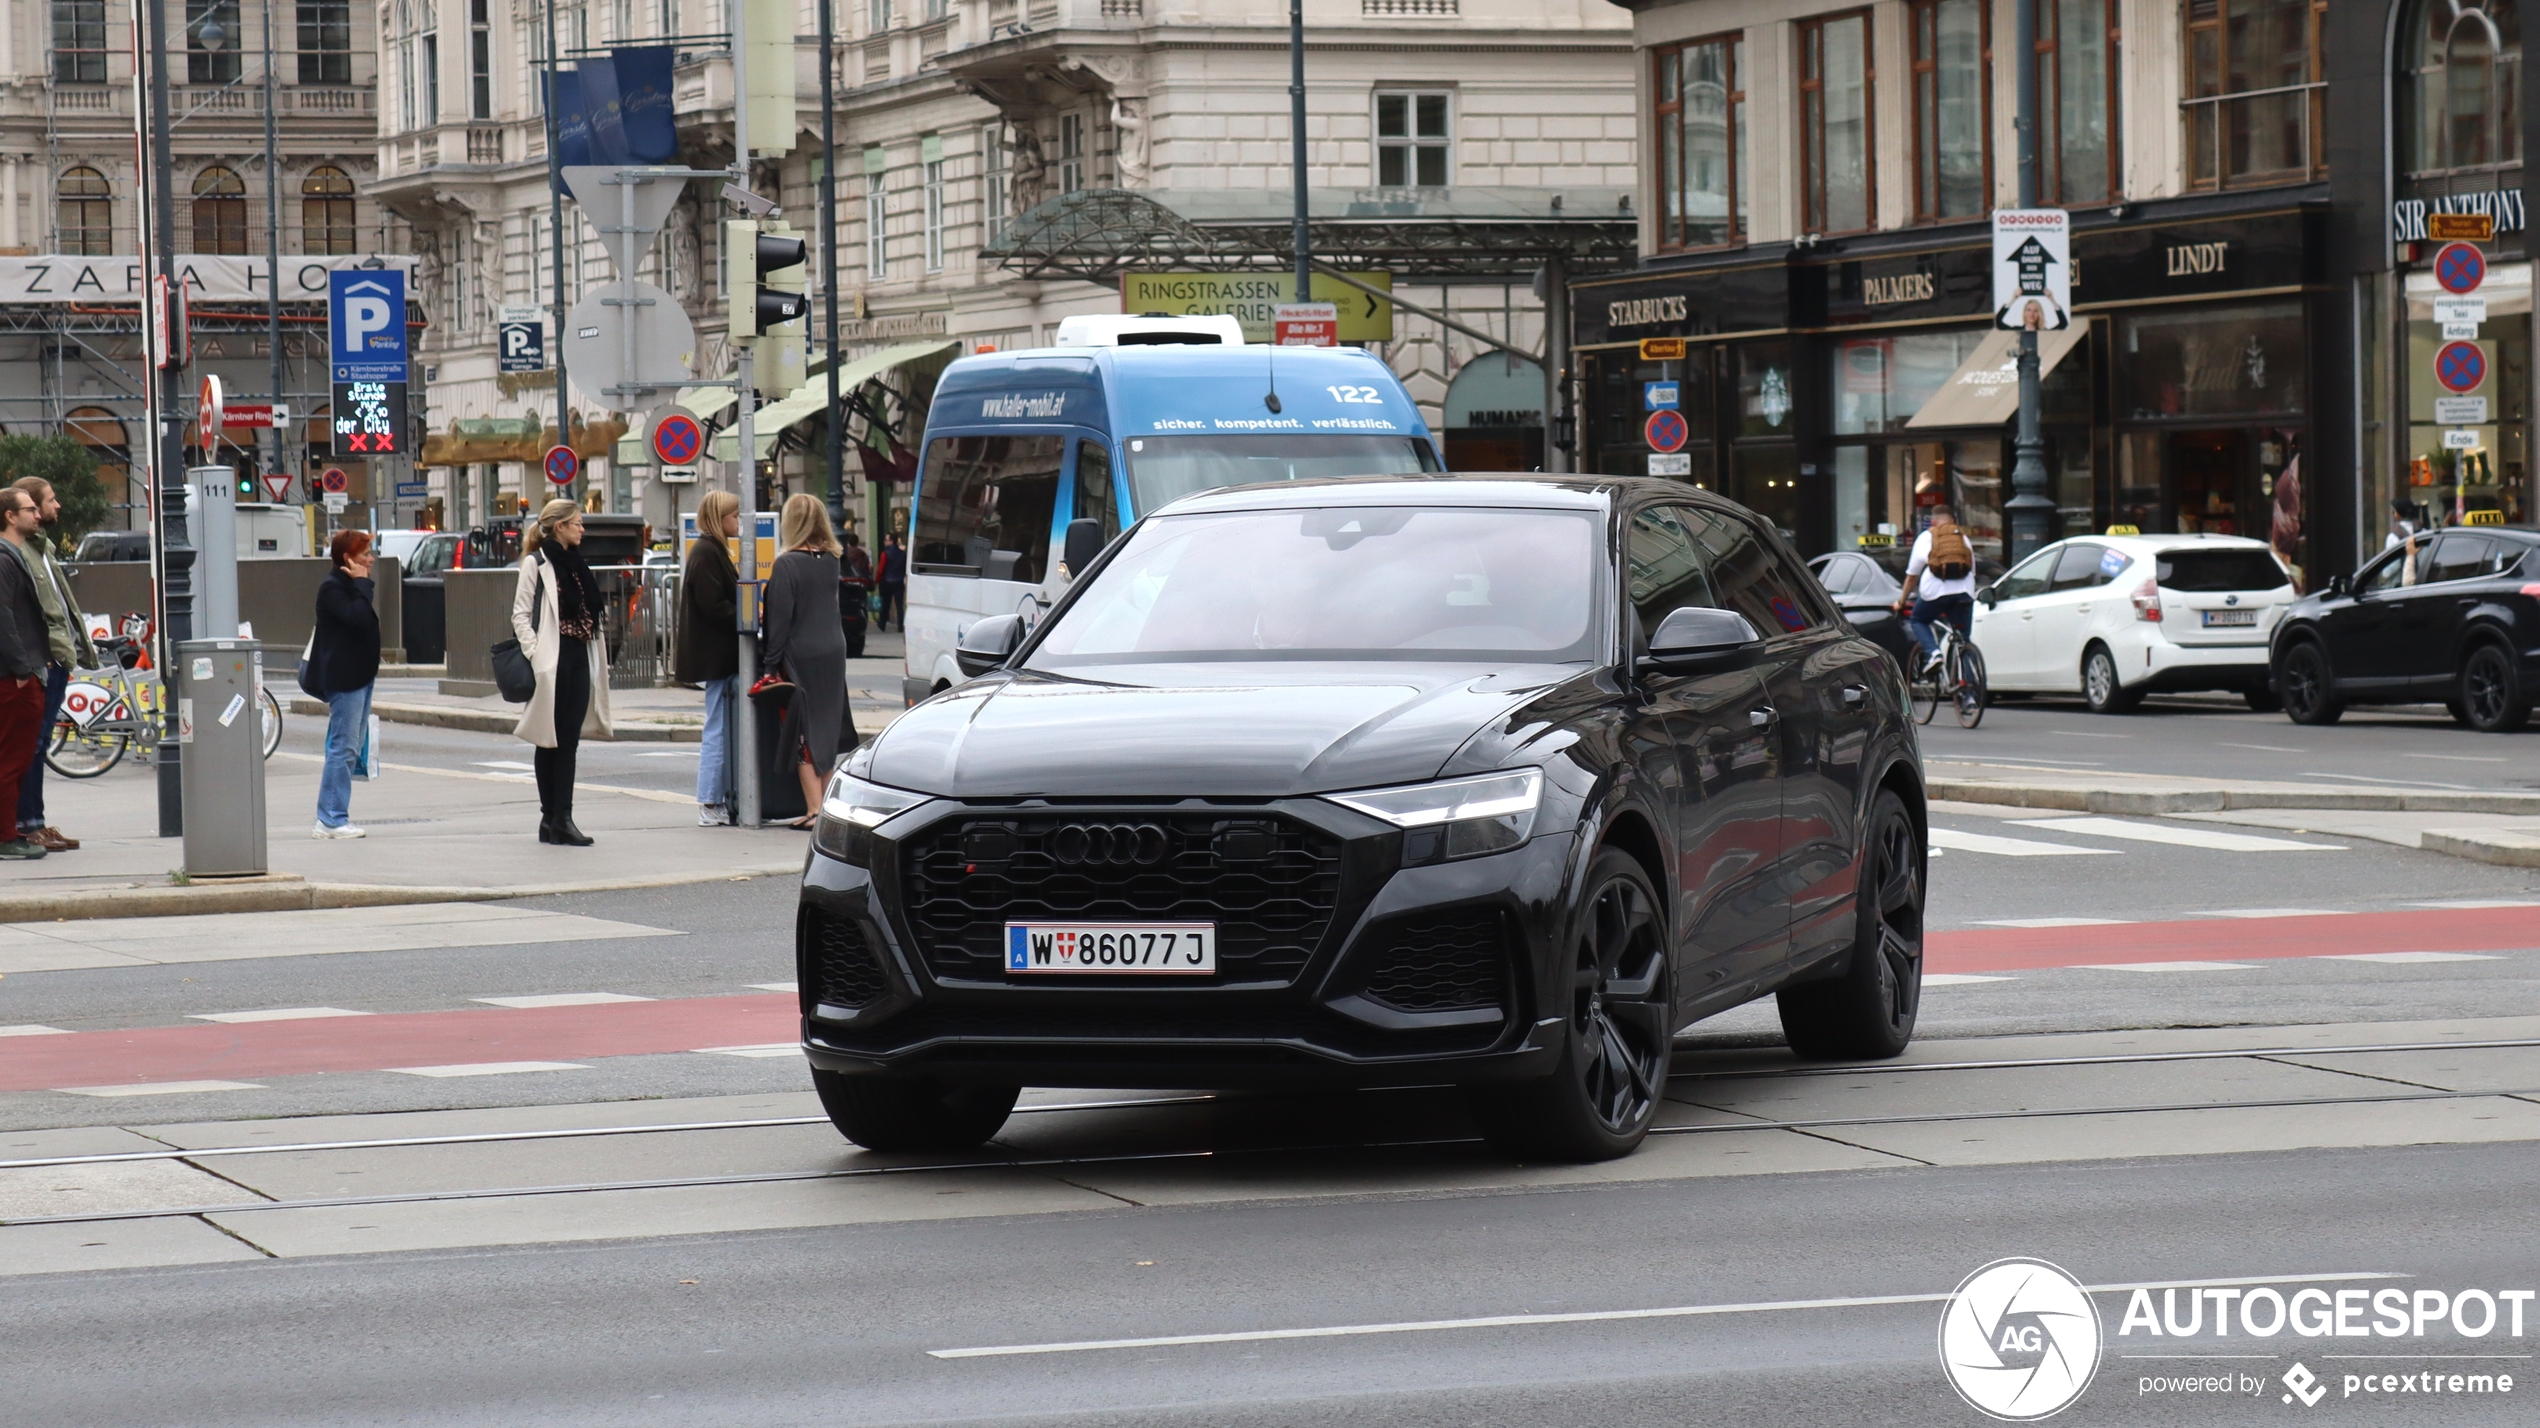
(2403, 958)
(276, 1014)
(2267, 912)
(775, 1049)
(234, 936)
(2480, 902)
(1957, 979)
(2055, 921)
(2266, 748)
(2176, 835)
(2168, 966)
(1591, 1316)
(508, 765)
(2456, 758)
(777, 986)
(2009, 847)
(30, 1029)
(488, 1068)
(162, 1088)
(689, 754)
(2396, 782)
(2078, 734)
(560, 999)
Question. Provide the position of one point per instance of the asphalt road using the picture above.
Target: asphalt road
(837, 1326)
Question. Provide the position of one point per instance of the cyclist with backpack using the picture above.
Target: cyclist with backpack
(1940, 582)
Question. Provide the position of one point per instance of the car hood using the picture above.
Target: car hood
(1239, 730)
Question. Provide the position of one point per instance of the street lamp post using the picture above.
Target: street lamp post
(1296, 142)
(2030, 509)
(176, 555)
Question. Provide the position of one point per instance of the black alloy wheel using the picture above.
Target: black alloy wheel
(2491, 698)
(2101, 687)
(912, 1112)
(1867, 1013)
(1599, 1101)
(2304, 682)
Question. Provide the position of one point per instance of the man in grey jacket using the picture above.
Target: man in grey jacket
(24, 652)
(67, 648)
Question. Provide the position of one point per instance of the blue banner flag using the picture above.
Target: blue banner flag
(643, 103)
(573, 127)
(600, 111)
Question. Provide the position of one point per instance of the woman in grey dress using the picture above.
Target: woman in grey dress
(805, 641)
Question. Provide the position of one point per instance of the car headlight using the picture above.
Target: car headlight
(1456, 818)
(851, 810)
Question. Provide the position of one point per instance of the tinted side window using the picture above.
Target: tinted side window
(2079, 567)
(2461, 556)
(985, 505)
(1753, 577)
(1095, 497)
(2032, 576)
(1664, 570)
(2393, 570)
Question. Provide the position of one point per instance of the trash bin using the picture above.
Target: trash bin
(220, 721)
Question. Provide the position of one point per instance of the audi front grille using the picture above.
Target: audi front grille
(1269, 883)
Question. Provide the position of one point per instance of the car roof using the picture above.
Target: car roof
(1444, 488)
(2157, 544)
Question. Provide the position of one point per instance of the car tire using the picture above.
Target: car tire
(2491, 690)
(1868, 1013)
(2101, 687)
(1616, 1037)
(2304, 682)
(2262, 699)
(894, 1113)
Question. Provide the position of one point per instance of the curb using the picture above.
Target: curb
(2070, 799)
(287, 892)
(484, 721)
(2504, 847)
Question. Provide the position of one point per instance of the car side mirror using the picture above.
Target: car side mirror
(1698, 639)
(2340, 585)
(1084, 544)
(1989, 597)
(988, 643)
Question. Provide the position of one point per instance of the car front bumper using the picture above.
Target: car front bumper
(880, 998)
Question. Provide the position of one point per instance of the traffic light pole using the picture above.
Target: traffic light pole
(2029, 507)
(745, 786)
(167, 435)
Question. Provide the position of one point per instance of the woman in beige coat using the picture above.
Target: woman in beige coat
(556, 617)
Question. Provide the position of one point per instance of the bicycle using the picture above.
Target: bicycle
(1958, 673)
(106, 712)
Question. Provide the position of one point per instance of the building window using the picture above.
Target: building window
(1071, 152)
(2255, 107)
(84, 210)
(2461, 100)
(2077, 90)
(992, 180)
(878, 16)
(876, 217)
(326, 211)
(220, 211)
(1953, 77)
(1701, 114)
(211, 41)
(480, 60)
(79, 41)
(934, 173)
(326, 42)
(1836, 178)
(1413, 133)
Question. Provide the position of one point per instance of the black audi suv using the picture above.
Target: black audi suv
(1393, 781)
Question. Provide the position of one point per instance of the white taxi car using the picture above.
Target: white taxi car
(2113, 618)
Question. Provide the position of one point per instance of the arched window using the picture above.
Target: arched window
(2461, 80)
(84, 208)
(220, 211)
(326, 211)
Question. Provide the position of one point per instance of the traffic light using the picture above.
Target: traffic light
(767, 29)
(755, 291)
(784, 350)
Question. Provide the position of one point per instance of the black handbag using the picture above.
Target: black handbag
(514, 677)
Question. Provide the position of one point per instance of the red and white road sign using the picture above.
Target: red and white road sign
(207, 406)
(1306, 324)
(277, 484)
(333, 480)
(257, 416)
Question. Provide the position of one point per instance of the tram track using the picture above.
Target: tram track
(1803, 1125)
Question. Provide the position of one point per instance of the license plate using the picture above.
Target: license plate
(2216, 619)
(1183, 948)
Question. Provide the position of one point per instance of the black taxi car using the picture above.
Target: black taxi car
(2455, 621)
(1375, 782)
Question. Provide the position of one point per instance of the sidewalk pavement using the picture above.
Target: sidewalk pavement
(436, 835)
(411, 694)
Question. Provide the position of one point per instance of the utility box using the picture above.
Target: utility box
(220, 721)
(214, 532)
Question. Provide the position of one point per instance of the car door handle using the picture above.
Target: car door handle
(1762, 718)
(2083, 608)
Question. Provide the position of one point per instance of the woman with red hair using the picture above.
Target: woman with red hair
(343, 664)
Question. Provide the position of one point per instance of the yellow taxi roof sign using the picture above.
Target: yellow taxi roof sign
(2483, 518)
(2123, 530)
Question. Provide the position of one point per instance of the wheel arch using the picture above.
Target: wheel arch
(1628, 828)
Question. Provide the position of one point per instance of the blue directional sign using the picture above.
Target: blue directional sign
(366, 324)
(1658, 396)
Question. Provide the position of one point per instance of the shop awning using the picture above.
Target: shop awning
(771, 421)
(1985, 390)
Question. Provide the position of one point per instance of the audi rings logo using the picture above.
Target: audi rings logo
(2020, 1340)
(1111, 845)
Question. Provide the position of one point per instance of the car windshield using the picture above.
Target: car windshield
(1346, 582)
(2233, 568)
(1164, 469)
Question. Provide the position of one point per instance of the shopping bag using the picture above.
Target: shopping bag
(370, 751)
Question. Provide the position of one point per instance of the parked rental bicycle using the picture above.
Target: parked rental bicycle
(108, 712)
(1956, 676)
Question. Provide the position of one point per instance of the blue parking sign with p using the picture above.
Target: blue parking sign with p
(366, 324)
